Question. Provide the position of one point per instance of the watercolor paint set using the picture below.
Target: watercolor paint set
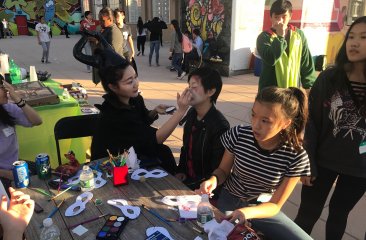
(112, 228)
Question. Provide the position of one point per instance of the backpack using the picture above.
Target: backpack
(186, 44)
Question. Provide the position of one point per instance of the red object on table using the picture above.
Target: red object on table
(120, 175)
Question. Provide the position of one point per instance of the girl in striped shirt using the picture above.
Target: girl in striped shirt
(264, 158)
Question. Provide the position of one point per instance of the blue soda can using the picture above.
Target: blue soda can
(43, 166)
(21, 174)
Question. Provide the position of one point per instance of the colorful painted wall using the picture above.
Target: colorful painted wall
(22, 15)
(206, 15)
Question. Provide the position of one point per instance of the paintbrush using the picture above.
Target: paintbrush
(67, 189)
(157, 215)
(87, 221)
(41, 191)
(54, 210)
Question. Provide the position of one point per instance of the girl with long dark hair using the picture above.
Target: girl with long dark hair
(265, 158)
(335, 137)
(141, 37)
(176, 49)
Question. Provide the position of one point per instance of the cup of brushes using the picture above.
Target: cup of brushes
(119, 168)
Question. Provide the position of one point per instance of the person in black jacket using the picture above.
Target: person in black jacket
(155, 27)
(202, 150)
(124, 119)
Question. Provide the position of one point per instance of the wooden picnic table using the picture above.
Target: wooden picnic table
(136, 193)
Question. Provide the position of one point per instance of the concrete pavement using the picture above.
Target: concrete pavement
(159, 85)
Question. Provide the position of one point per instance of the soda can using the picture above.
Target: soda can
(21, 174)
(43, 166)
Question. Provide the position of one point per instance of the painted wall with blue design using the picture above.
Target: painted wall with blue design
(22, 15)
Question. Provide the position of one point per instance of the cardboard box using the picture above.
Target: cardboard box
(36, 93)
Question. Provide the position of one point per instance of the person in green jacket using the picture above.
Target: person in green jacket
(286, 58)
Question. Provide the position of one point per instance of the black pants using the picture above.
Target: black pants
(188, 58)
(162, 157)
(348, 191)
(141, 42)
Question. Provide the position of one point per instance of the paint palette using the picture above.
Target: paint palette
(112, 227)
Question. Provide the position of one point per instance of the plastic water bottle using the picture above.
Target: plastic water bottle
(65, 94)
(50, 231)
(15, 73)
(87, 179)
(204, 211)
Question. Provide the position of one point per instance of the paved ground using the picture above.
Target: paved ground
(159, 85)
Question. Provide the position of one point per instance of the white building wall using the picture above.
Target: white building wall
(247, 23)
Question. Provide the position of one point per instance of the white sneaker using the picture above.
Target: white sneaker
(182, 75)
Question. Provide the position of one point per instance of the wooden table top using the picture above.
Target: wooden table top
(136, 193)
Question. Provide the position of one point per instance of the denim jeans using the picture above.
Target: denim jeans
(177, 62)
(154, 45)
(277, 227)
(88, 51)
(46, 50)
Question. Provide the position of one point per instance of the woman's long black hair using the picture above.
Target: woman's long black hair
(140, 25)
(5, 117)
(343, 65)
(175, 24)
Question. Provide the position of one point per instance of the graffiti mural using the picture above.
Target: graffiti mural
(22, 15)
(207, 15)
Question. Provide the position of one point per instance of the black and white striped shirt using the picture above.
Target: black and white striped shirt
(257, 171)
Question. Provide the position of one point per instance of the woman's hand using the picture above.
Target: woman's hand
(239, 215)
(307, 180)
(207, 186)
(161, 109)
(183, 100)
(15, 218)
(10, 89)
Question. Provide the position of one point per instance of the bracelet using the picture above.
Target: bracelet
(21, 103)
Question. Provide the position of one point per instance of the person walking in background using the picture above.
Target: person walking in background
(335, 138)
(43, 36)
(110, 31)
(6, 30)
(141, 37)
(120, 17)
(1, 30)
(89, 24)
(265, 158)
(284, 51)
(176, 49)
(66, 30)
(164, 26)
(155, 27)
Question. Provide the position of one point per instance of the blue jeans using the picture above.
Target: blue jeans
(154, 45)
(177, 62)
(277, 227)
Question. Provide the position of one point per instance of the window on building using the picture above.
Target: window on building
(356, 9)
(134, 10)
(161, 9)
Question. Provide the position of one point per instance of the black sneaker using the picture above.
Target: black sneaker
(42, 60)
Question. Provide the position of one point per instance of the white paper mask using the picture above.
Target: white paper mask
(79, 205)
(156, 173)
(125, 208)
(151, 230)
